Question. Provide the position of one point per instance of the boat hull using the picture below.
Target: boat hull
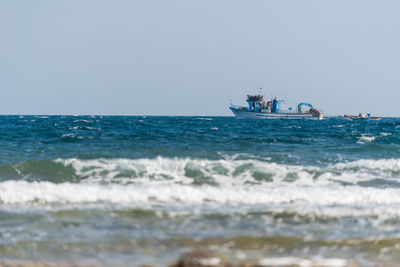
(245, 114)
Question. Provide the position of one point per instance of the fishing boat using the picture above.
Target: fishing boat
(259, 109)
(363, 116)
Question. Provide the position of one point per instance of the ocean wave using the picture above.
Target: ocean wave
(329, 201)
(365, 139)
(187, 171)
(377, 137)
(42, 117)
(228, 171)
(234, 170)
(338, 190)
(391, 166)
(82, 128)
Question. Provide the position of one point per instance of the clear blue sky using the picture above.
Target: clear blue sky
(192, 57)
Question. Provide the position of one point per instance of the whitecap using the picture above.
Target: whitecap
(367, 165)
(365, 139)
(86, 121)
(164, 182)
(232, 170)
(303, 199)
(68, 135)
(83, 128)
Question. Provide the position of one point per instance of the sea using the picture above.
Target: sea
(132, 190)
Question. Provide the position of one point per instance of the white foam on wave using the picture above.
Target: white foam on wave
(328, 200)
(86, 121)
(228, 171)
(164, 182)
(83, 128)
(365, 139)
(175, 170)
(364, 165)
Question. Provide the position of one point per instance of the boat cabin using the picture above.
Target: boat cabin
(257, 104)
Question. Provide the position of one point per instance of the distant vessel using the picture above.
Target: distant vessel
(259, 109)
(363, 116)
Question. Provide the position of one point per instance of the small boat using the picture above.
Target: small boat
(359, 117)
(259, 109)
(375, 118)
(363, 116)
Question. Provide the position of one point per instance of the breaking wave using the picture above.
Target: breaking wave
(363, 187)
(190, 171)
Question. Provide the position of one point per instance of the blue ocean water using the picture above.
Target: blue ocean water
(115, 190)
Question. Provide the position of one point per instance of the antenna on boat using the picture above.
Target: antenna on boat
(260, 90)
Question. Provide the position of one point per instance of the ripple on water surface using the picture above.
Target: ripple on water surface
(95, 189)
